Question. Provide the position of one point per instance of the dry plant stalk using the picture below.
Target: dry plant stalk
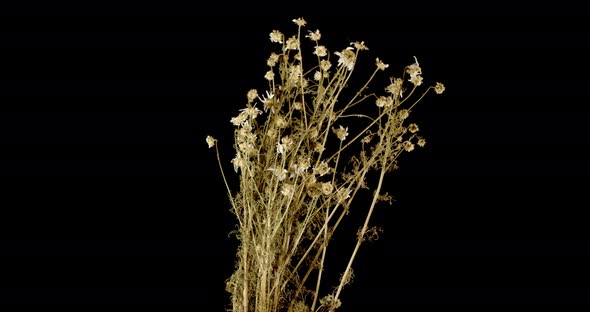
(294, 185)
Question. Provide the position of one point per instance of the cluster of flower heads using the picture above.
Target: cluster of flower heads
(280, 147)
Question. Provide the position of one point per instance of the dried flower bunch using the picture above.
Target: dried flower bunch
(300, 168)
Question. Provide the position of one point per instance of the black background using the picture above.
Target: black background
(110, 195)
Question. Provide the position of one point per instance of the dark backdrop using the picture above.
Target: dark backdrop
(110, 195)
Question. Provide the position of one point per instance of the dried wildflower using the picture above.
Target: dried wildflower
(380, 64)
(314, 36)
(280, 173)
(439, 88)
(416, 80)
(383, 101)
(238, 162)
(251, 111)
(330, 302)
(413, 128)
(300, 22)
(325, 65)
(318, 147)
(343, 194)
(347, 58)
(314, 189)
(297, 105)
(395, 87)
(288, 190)
(320, 51)
(408, 146)
(301, 307)
(239, 120)
(359, 45)
(321, 169)
(404, 113)
(210, 141)
(270, 75)
(414, 69)
(327, 188)
(341, 132)
(285, 144)
(268, 100)
(292, 43)
(276, 36)
(272, 59)
(421, 142)
(252, 95)
(317, 76)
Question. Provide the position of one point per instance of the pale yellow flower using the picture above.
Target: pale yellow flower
(276, 36)
(341, 132)
(416, 80)
(321, 169)
(325, 65)
(439, 88)
(359, 45)
(320, 51)
(272, 59)
(238, 162)
(252, 95)
(314, 36)
(270, 75)
(252, 111)
(421, 142)
(395, 87)
(413, 128)
(317, 75)
(300, 22)
(292, 43)
(327, 188)
(347, 58)
(383, 101)
(414, 69)
(238, 120)
(380, 64)
(280, 173)
(404, 113)
(287, 190)
(408, 146)
(210, 141)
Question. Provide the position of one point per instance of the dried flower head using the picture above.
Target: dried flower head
(314, 36)
(404, 113)
(383, 101)
(408, 146)
(439, 88)
(272, 59)
(320, 51)
(347, 57)
(210, 141)
(300, 22)
(276, 36)
(359, 45)
(270, 75)
(380, 64)
(413, 128)
(421, 142)
(292, 43)
(341, 132)
(252, 95)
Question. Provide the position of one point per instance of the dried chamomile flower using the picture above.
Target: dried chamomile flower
(395, 87)
(380, 64)
(421, 142)
(314, 36)
(252, 95)
(359, 45)
(292, 43)
(416, 80)
(408, 146)
(439, 88)
(270, 75)
(383, 101)
(325, 65)
(321, 169)
(272, 59)
(341, 132)
(413, 128)
(300, 22)
(320, 51)
(404, 113)
(210, 141)
(276, 36)
(347, 57)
